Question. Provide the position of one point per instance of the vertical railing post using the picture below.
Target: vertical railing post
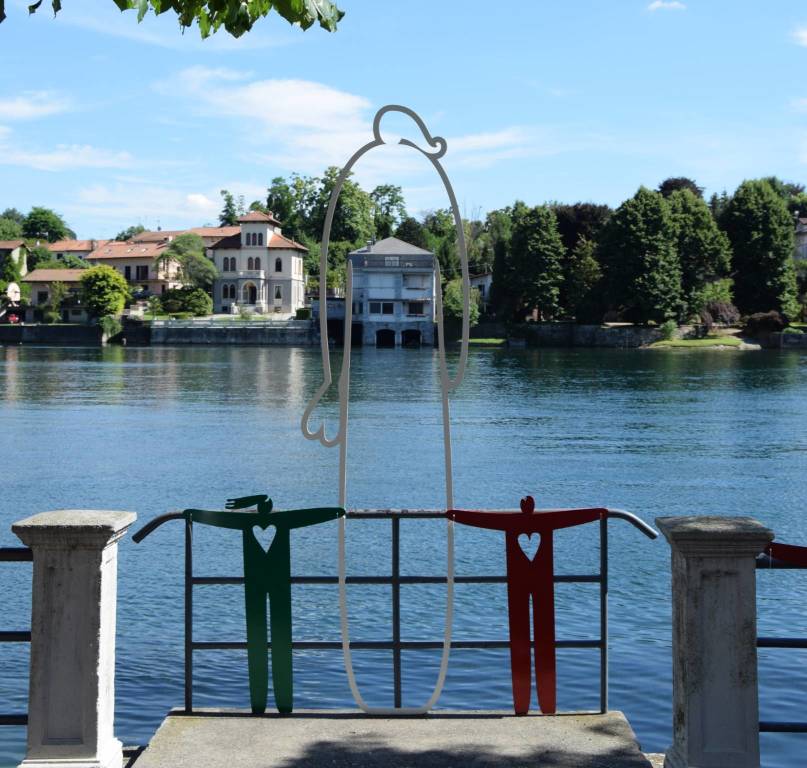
(71, 702)
(188, 616)
(714, 644)
(603, 614)
(396, 610)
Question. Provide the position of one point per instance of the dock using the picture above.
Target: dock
(215, 738)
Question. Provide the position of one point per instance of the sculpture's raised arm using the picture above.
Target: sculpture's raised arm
(301, 518)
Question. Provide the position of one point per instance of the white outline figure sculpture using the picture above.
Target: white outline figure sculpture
(448, 384)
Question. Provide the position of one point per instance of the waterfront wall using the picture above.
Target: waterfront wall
(294, 334)
(66, 335)
(574, 335)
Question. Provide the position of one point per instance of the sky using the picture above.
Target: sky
(114, 123)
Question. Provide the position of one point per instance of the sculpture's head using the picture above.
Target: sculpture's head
(436, 144)
(528, 505)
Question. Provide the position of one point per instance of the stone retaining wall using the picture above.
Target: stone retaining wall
(573, 335)
(66, 335)
(248, 335)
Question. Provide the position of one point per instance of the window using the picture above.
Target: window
(257, 262)
(390, 261)
(388, 308)
(358, 307)
(250, 263)
(278, 293)
(232, 291)
(41, 297)
(127, 273)
(260, 238)
(278, 264)
(142, 272)
(375, 307)
(227, 267)
(415, 307)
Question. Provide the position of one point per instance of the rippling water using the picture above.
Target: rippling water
(657, 433)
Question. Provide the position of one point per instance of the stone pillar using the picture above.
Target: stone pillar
(715, 705)
(71, 700)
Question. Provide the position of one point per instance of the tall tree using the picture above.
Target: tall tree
(703, 249)
(235, 16)
(537, 254)
(229, 210)
(45, 224)
(581, 277)
(389, 209)
(353, 216)
(639, 261)
(762, 238)
(188, 251)
(14, 215)
(580, 220)
(411, 231)
(10, 229)
(503, 290)
(677, 183)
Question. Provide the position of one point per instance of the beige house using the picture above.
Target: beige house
(259, 270)
(17, 250)
(135, 261)
(41, 282)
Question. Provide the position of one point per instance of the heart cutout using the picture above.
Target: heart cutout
(264, 537)
(529, 545)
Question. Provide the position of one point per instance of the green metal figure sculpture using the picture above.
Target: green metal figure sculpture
(266, 573)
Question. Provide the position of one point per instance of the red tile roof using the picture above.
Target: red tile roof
(54, 276)
(10, 245)
(233, 243)
(258, 216)
(64, 246)
(128, 250)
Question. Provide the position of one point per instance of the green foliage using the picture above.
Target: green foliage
(703, 249)
(410, 230)
(45, 224)
(668, 329)
(303, 313)
(640, 265)
(39, 256)
(389, 209)
(155, 306)
(105, 291)
(761, 233)
(129, 232)
(14, 215)
(580, 220)
(581, 277)
(10, 229)
(188, 251)
(452, 303)
(10, 271)
(194, 301)
(235, 16)
(537, 254)
(110, 325)
(66, 261)
(711, 292)
(796, 331)
(52, 309)
(353, 215)
(678, 184)
(229, 212)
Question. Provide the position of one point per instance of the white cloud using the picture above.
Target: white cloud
(201, 203)
(666, 5)
(800, 35)
(32, 105)
(64, 157)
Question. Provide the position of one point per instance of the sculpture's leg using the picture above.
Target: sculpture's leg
(543, 606)
(255, 595)
(280, 621)
(518, 605)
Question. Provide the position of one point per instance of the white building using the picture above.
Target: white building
(393, 293)
(482, 283)
(259, 269)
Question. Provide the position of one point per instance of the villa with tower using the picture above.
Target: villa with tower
(259, 270)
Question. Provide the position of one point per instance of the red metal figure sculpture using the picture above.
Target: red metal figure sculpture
(530, 577)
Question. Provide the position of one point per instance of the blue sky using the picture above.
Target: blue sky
(114, 123)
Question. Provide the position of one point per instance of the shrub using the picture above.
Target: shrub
(668, 329)
(181, 315)
(764, 322)
(110, 325)
(723, 312)
(193, 301)
(707, 320)
(303, 313)
(792, 330)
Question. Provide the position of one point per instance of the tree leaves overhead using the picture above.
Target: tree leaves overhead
(236, 16)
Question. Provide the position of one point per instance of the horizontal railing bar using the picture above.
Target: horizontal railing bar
(13, 719)
(16, 555)
(778, 727)
(768, 563)
(560, 579)
(386, 645)
(781, 642)
(15, 637)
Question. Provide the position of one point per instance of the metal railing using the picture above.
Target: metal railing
(396, 581)
(782, 556)
(15, 555)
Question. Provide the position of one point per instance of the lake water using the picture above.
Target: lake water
(657, 433)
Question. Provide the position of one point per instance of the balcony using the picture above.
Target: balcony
(254, 274)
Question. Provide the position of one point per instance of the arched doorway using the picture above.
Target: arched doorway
(385, 337)
(410, 338)
(250, 293)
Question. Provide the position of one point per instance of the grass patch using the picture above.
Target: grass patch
(709, 341)
(487, 342)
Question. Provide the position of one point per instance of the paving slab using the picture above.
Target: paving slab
(340, 739)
